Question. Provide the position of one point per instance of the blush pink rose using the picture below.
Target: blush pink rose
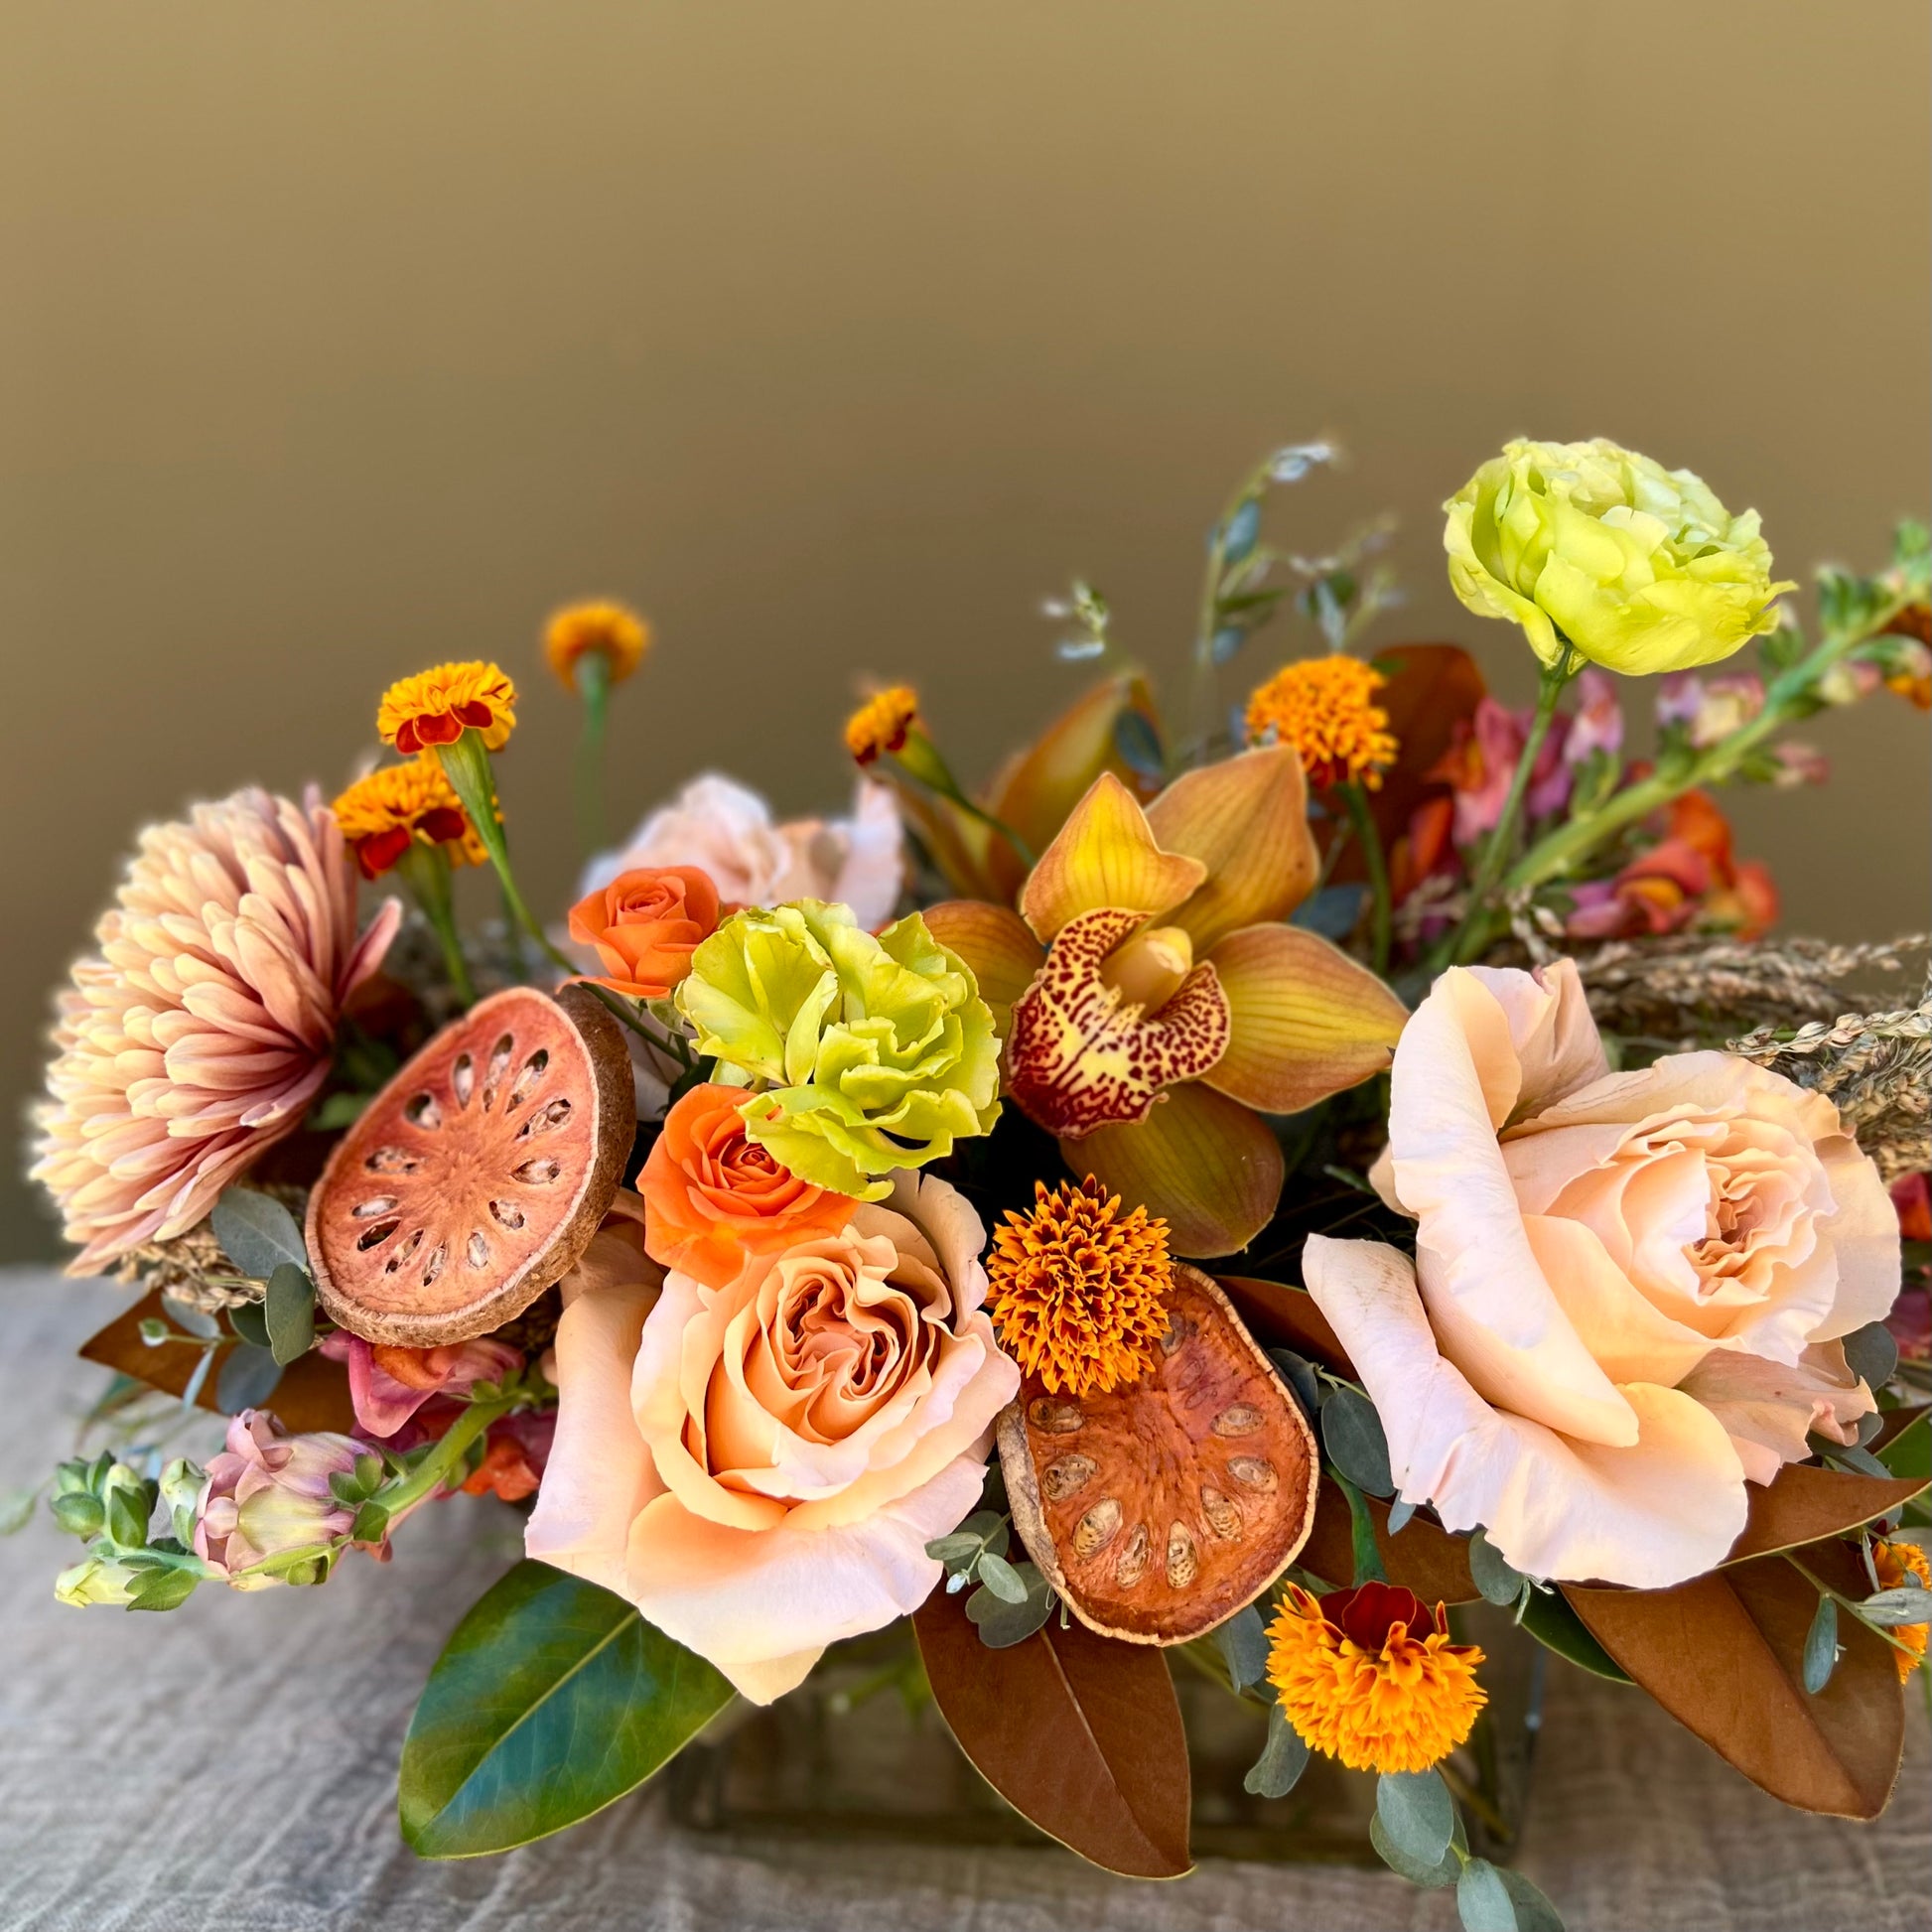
(1628, 1291)
(759, 1467)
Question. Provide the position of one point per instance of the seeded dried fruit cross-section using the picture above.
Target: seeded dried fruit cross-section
(477, 1175)
(1160, 1509)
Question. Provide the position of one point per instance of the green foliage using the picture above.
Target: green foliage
(1352, 1433)
(289, 1310)
(552, 1698)
(1284, 1758)
(1418, 1814)
(1498, 1579)
(1821, 1647)
(258, 1233)
(1243, 1643)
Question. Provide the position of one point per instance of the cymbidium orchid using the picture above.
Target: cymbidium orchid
(1154, 1004)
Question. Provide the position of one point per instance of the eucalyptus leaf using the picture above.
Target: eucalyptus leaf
(1894, 1607)
(251, 1324)
(1352, 1432)
(1002, 1624)
(1499, 1581)
(248, 1378)
(1431, 1877)
(552, 1698)
(1872, 1352)
(1284, 1758)
(191, 1393)
(290, 1313)
(191, 1321)
(1002, 1578)
(1139, 744)
(1332, 913)
(1239, 532)
(1299, 1373)
(1821, 1647)
(1534, 1912)
(1243, 1643)
(1417, 1811)
(256, 1232)
(955, 1548)
(1401, 1511)
(1483, 1899)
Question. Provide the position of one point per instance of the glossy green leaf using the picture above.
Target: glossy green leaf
(1547, 1617)
(552, 1698)
(1284, 1758)
(1909, 1452)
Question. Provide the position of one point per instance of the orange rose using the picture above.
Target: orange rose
(645, 926)
(712, 1196)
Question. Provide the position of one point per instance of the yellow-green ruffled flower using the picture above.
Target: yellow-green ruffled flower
(868, 1054)
(1639, 567)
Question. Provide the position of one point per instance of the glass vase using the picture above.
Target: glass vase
(860, 1750)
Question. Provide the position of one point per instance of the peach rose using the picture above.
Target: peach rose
(759, 1467)
(716, 1197)
(645, 926)
(1629, 1290)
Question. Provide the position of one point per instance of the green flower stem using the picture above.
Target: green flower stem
(466, 765)
(433, 1471)
(1376, 864)
(1201, 1654)
(1209, 618)
(1361, 1533)
(1559, 852)
(671, 1045)
(1472, 935)
(918, 758)
(1853, 1609)
(425, 870)
(593, 687)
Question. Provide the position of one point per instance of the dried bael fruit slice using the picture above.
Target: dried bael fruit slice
(1160, 1509)
(477, 1175)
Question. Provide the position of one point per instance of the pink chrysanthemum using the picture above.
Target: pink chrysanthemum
(201, 1029)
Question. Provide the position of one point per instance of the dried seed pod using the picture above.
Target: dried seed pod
(474, 1181)
(1195, 1484)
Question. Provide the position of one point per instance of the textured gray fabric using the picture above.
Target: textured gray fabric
(231, 1768)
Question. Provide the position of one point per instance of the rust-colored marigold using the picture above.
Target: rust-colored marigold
(613, 630)
(882, 723)
(393, 807)
(1900, 1565)
(1325, 707)
(435, 707)
(1369, 1676)
(1077, 1287)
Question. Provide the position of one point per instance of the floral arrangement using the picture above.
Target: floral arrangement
(1256, 1197)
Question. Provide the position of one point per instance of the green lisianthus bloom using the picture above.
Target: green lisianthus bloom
(867, 1055)
(1639, 567)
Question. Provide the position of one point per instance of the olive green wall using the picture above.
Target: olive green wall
(339, 339)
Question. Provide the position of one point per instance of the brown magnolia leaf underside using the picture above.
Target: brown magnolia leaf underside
(1724, 1655)
(1281, 1317)
(1805, 1504)
(1421, 1556)
(313, 1393)
(1080, 1735)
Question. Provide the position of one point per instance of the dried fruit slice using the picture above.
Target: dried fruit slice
(479, 1174)
(1160, 1509)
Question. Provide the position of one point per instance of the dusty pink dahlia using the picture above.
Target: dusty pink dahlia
(199, 1034)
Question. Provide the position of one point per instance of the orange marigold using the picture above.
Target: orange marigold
(1369, 1676)
(1076, 1288)
(882, 723)
(393, 807)
(435, 707)
(1325, 707)
(613, 630)
(1899, 1564)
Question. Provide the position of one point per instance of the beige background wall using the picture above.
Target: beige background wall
(337, 341)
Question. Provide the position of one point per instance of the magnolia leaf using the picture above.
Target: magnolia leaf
(1909, 1452)
(1821, 1647)
(256, 1232)
(1499, 1581)
(248, 1377)
(289, 1313)
(1077, 1732)
(552, 1698)
(1284, 1758)
(1243, 1643)
(1483, 1900)
(1723, 1654)
(1417, 1811)
(1805, 1505)
(1547, 1617)
(1287, 1317)
(1423, 1558)
(1352, 1433)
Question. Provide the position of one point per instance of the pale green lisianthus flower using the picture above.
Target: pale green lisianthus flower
(869, 1055)
(1639, 567)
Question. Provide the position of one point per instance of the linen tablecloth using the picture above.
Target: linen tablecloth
(230, 1767)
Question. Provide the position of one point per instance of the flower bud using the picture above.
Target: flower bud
(183, 1485)
(96, 1580)
(268, 1493)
